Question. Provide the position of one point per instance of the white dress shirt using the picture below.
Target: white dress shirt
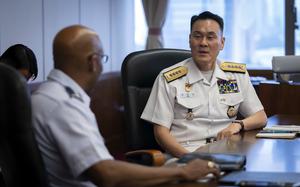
(66, 131)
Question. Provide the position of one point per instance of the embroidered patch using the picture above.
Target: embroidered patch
(229, 86)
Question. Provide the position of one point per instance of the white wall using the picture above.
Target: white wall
(122, 30)
(35, 23)
(56, 15)
(19, 25)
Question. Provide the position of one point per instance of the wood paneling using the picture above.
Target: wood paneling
(107, 104)
(261, 73)
(280, 98)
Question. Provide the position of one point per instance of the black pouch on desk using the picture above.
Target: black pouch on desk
(227, 162)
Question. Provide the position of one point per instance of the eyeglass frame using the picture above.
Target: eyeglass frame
(103, 57)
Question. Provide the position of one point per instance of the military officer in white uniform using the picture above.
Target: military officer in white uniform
(200, 97)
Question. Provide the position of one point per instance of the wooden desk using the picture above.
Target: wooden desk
(262, 154)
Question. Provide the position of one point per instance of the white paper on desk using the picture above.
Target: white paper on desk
(277, 135)
(293, 128)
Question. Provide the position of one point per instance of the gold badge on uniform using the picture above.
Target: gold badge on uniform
(189, 115)
(231, 112)
(188, 87)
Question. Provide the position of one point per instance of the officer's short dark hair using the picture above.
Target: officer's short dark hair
(20, 56)
(208, 15)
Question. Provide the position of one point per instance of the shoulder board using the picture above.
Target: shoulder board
(175, 73)
(72, 94)
(233, 67)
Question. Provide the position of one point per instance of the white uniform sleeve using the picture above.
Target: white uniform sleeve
(160, 106)
(76, 134)
(251, 103)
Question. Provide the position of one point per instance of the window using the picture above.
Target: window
(254, 30)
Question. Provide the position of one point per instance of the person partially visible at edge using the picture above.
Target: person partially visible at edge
(22, 59)
(199, 98)
(66, 130)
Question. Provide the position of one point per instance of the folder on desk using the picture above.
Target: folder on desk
(279, 131)
(276, 134)
(291, 128)
(246, 178)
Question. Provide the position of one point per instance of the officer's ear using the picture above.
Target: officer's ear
(222, 43)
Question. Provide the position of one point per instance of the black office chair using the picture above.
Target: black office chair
(20, 161)
(139, 71)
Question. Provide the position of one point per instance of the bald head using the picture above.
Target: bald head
(76, 51)
(73, 44)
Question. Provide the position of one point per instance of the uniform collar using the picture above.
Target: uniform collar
(66, 81)
(194, 74)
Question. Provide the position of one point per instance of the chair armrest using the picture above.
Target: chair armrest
(149, 157)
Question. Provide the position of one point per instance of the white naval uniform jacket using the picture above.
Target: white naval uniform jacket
(169, 103)
(66, 131)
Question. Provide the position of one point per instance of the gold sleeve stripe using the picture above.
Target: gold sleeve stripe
(233, 67)
(175, 73)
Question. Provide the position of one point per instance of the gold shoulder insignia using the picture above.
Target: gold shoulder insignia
(175, 73)
(233, 67)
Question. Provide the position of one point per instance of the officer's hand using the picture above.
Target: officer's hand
(232, 129)
(197, 169)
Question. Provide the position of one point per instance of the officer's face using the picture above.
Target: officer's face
(206, 41)
(95, 59)
(97, 46)
(25, 72)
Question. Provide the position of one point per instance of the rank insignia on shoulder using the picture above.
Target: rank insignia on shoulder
(175, 73)
(72, 94)
(233, 67)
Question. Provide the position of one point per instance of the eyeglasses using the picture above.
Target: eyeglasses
(27, 74)
(31, 78)
(103, 58)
